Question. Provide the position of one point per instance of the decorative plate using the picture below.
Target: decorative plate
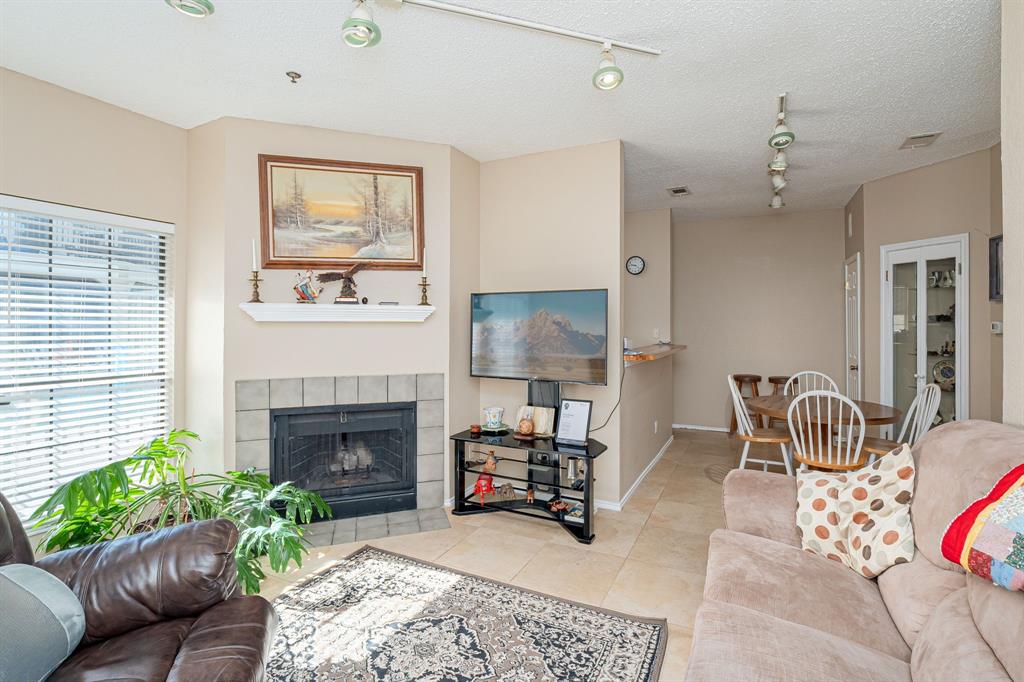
(944, 373)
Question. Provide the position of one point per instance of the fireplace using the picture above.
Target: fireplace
(360, 458)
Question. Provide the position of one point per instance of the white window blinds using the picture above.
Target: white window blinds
(85, 342)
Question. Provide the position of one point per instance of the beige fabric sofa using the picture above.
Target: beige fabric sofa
(774, 612)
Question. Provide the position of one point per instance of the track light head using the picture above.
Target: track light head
(359, 30)
(608, 76)
(782, 137)
(778, 181)
(192, 8)
(776, 202)
(779, 162)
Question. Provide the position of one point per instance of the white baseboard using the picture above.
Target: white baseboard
(617, 506)
(697, 427)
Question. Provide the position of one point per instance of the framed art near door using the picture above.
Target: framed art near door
(321, 214)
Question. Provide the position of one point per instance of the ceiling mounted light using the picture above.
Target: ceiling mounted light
(779, 162)
(192, 8)
(778, 181)
(359, 30)
(776, 202)
(608, 76)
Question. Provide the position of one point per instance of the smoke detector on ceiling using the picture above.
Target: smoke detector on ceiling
(681, 191)
(922, 140)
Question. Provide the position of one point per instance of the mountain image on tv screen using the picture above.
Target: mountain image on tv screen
(549, 335)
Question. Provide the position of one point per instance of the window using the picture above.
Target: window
(85, 342)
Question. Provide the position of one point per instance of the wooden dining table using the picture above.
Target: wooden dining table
(777, 406)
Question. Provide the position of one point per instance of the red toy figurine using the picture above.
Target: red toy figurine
(484, 486)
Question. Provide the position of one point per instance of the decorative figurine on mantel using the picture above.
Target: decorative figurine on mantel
(304, 290)
(348, 283)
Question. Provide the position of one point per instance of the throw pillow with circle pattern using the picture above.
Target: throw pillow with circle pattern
(859, 518)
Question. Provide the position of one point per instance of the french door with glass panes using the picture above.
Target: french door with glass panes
(925, 323)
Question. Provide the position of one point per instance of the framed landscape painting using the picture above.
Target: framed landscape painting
(318, 214)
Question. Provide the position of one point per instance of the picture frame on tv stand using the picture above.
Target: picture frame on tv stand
(574, 422)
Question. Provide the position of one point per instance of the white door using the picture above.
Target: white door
(851, 275)
(925, 323)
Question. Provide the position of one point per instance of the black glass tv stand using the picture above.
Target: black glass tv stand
(553, 471)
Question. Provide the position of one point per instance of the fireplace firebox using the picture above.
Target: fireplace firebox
(360, 458)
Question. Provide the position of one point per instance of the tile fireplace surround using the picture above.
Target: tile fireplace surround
(254, 398)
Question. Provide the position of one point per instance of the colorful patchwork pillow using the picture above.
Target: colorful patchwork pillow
(987, 538)
(860, 518)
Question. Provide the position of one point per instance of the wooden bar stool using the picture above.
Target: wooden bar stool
(778, 383)
(751, 380)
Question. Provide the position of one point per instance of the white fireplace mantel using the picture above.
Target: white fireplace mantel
(327, 312)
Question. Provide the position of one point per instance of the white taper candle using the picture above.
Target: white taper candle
(255, 263)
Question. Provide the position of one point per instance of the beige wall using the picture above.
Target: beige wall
(995, 308)
(554, 220)
(463, 390)
(1012, 94)
(761, 294)
(60, 146)
(853, 227)
(946, 198)
(279, 350)
(647, 297)
(646, 418)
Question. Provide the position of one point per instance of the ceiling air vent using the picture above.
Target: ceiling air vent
(681, 191)
(922, 140)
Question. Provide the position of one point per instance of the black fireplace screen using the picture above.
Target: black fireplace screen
(348, 454)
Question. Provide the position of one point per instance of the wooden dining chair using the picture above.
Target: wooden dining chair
(827, 429)
(920, 416)
(809, 380)
(746, 432)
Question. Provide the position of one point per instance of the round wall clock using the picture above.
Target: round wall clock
(635, 265)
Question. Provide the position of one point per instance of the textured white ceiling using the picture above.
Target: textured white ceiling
(861, 76)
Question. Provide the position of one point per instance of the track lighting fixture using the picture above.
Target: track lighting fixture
(778, 181)
(776, 201)
(192, 8)
(782, 137)
(779, 162)
(608, 76)
(359, 30)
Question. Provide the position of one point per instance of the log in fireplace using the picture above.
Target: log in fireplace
(360, 458)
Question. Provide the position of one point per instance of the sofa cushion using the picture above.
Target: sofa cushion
(951, 648)
(999, 617)
(41, 622)
(956, 464)
(733, 643)
(144, 654)
(912, 591)
(794, 585)
(229, 641)
(860, 518)
(762, 504)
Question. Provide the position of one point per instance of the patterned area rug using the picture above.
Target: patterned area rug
(383, 616)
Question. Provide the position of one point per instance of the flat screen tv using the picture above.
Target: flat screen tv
(544, 335)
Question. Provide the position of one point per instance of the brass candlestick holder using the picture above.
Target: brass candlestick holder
(255, 279)
(423, 290)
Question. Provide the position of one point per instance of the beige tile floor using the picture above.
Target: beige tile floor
(648, 559)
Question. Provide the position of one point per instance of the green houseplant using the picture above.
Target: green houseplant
(154, 488)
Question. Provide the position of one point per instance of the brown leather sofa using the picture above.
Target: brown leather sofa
(772, 611)
(161, 605)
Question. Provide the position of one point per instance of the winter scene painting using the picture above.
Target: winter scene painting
(551, 335)
(334, 213)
